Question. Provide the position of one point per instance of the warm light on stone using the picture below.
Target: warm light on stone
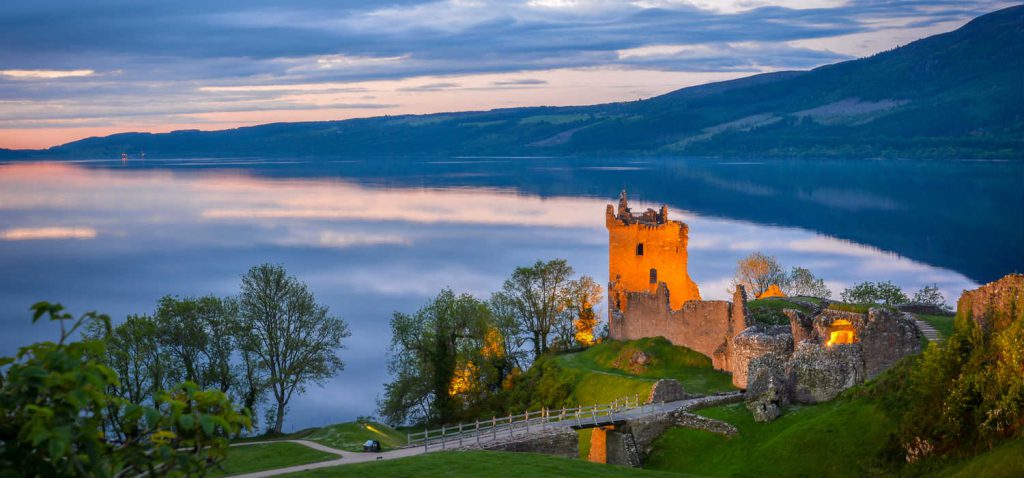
(841, 332)
(647, 249)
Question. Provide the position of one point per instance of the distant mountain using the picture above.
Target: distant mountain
(958, 94)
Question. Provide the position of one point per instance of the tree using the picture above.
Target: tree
(931, 295)
(802, 282)
(757, 272)
(55, 404)
(437, 353)
(294, 337)
(579, 321)
(537, 297)
(133, 352)
(181, 329)
(885, 293)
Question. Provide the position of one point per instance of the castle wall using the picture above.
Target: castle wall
(704, 326)
(664, 250)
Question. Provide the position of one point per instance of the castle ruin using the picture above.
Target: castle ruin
(812, 359)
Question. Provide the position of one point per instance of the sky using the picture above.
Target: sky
(71, 69)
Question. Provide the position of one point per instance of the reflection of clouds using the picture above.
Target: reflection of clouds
(335, 239)
(36, 233)
(831, 245)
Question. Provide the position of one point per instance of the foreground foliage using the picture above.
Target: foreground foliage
(58, 416)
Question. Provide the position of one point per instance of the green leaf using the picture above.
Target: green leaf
(208, 423)
(186, 421)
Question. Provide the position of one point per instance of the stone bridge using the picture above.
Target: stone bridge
(622, 435)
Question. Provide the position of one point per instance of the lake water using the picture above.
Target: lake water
(372, 236)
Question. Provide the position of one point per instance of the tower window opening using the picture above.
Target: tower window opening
(654, 276)
(640, 249)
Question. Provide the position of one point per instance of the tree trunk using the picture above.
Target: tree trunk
(279, 422)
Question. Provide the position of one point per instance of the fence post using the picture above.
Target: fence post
(477, 433)
(443, 441)
(460, 434)
(494, 427)
(510, 432)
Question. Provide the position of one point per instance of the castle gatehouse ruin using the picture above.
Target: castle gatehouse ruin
(650, 294)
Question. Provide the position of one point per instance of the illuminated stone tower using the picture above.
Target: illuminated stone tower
(644, 250)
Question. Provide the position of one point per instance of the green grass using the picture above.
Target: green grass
(267, 456)
(1006, 460)
(610, 376)
(351, 436)
(836, 439)
(942, 323)
(474, 464)
(777, 303)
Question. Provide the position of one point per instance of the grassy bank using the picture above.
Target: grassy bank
(267, 456)
(837, 439)
(474, 464)
(605, 371)
(348, 436)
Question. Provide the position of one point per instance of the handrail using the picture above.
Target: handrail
(509, 426)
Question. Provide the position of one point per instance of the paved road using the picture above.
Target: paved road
(469, 440)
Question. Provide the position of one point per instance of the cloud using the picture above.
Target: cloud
(430, 87)
(215, 52)
(41, 233)
(45, 74)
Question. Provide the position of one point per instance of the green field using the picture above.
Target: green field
(475, 464)
(267, 456)
(837, 439)
(603, 372)
(351, 436)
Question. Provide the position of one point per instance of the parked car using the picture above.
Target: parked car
(371, 445)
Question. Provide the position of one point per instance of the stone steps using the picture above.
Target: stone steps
(928, 331)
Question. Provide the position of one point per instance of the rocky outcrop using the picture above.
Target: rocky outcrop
(886, 337)
(996, 301)
(755, 342)
(767, 387)
(666, 390)
(819, 373)
(801, 326)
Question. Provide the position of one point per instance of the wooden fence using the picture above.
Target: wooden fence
(469, 433)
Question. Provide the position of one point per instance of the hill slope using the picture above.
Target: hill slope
(958, 94)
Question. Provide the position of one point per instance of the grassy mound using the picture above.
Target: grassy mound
(839, 439)
(267, 456)
(473, 464)
(351, 436)
(769, 311)
(606, 372)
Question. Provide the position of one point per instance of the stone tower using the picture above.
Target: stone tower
(644, 250)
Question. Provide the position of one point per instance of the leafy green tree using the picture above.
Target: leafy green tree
(181, 330)
(134, 353)
(931, 295)
(537, 295)
(885, 293)
(294, 338)
(55, 405)
(437, 354)
(803, 282)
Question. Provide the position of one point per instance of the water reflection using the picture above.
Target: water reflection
(115, 241)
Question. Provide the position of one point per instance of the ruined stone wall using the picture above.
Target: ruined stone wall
(664, 250)
(703, 326)
(562, 442)
(1000, 300)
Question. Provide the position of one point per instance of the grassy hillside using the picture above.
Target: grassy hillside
(267, 456)
(348, 436)
(837, 439)
(954, 95)
(351, 436)
(604, 373)
(474, 464)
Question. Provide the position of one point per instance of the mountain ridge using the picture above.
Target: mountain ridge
(958, 94)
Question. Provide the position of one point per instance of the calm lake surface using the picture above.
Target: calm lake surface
(372, 236)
